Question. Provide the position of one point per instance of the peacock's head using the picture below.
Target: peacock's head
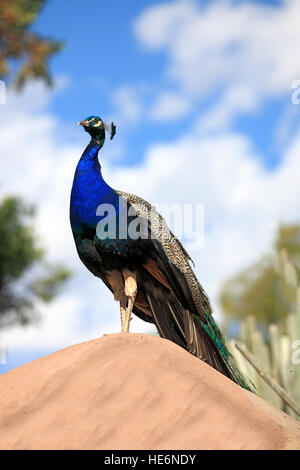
(96, 127)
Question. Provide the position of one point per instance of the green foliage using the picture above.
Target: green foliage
(18, 248)
(19, 43)
(289, 239)
(277, 355)
(24, 276)
(46, 287)
(259, 290)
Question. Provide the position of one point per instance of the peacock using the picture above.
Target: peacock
(146, 268)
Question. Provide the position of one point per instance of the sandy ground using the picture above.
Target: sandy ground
(134, 391)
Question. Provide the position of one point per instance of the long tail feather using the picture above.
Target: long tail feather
(202, 339)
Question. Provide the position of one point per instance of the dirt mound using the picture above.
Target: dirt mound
(134, 391)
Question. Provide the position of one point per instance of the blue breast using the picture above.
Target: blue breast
(89, 191)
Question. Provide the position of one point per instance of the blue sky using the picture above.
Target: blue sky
(101, 54)
(201, 95)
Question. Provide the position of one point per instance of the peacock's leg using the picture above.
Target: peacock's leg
(130, 292)
(116, 281)
(123, 313)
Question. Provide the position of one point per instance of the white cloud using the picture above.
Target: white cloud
(158, 24)
(244, 51)
(235, 100)
(169, 106)
(286, 124)
(127, 100)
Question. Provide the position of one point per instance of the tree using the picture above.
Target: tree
(259, 290)
(21, 50)
(289, 238)
(24, 276)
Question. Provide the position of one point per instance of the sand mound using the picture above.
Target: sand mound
(134, 391)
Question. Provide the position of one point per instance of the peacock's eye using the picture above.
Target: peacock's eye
(97, 122)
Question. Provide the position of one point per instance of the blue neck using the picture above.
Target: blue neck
(89, 159)
(89, 188)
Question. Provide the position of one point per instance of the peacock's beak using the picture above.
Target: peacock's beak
(83, 123)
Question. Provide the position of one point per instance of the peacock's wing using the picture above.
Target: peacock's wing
(171, 257)
(187, 318)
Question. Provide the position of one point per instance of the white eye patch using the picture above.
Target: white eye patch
(97, 124)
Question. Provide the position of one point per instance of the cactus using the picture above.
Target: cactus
(276, 354)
